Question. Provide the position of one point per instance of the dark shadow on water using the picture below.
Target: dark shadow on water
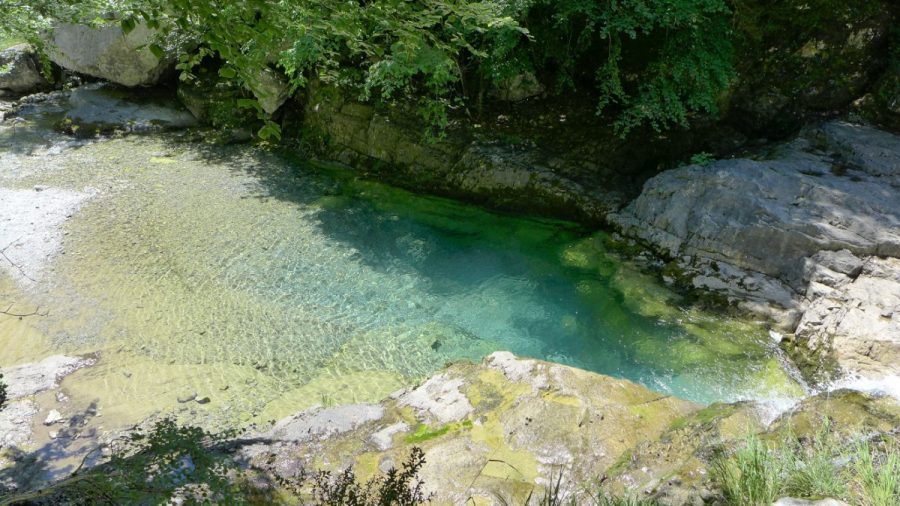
(74, 444)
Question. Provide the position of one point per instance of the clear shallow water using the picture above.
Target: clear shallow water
(273, 285)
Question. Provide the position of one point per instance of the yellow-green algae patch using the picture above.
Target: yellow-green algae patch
(530, 420)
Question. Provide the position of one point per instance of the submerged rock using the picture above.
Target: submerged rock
(108, 53)
(97, 108)
(20, 70)
(789, 235)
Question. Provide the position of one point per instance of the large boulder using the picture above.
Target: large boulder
(791, 232)
(492, 432)
(20, 70)
(106, 52)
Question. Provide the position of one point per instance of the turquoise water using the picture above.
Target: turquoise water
(201, 261)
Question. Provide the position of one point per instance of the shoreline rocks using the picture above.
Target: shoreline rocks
(20, 70)
(496, 429)
(789, 236)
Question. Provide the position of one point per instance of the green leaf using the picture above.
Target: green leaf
(128, 25)
(157, 51)
(227, 72)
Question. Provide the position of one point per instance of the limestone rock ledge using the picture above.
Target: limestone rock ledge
(498, 429)
(495, 432)
(808, 234)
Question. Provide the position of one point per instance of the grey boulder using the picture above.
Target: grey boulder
(808, 234)
(20, 70)
(108, 53)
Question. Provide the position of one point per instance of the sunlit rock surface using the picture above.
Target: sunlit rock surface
(808, 234)
(489, 431)
(108, 53)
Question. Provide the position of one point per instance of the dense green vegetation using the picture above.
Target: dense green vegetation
(652, 62)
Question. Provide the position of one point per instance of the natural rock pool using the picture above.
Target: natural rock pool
(262, 285)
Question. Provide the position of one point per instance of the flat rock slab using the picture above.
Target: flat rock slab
(31, 228)
(29, 379)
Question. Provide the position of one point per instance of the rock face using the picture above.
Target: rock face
(497, 432)
(392, 145)
(20, 70)
(501, 429)
(809, 235)
(108, 53)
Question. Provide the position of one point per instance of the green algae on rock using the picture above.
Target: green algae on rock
(512, 425)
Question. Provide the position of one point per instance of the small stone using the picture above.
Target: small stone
(41, 187)
(776, 336)
(53, 434)
(204, 400)
(187, 398)
(52, 417)
(61, 397)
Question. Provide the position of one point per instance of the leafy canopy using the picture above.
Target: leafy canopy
(649, 62)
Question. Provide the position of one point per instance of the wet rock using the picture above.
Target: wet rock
(108, 53)
(787, 236)
(20, 70)
(98, 108)
(29, 379)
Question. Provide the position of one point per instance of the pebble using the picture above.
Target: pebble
(187, 398)
(52, 417)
